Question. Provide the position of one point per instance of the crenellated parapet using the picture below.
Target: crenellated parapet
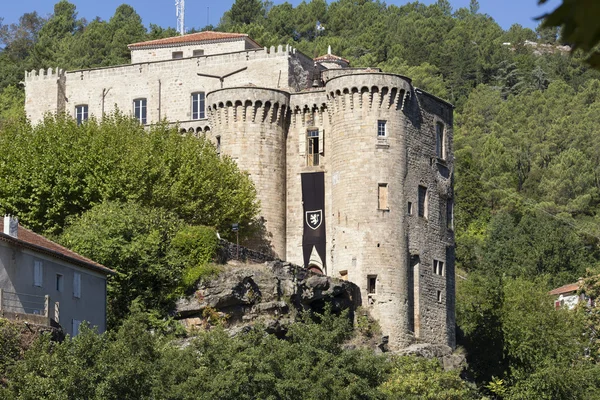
(248, 105)
(368, 91)
(309, 109)
(43, 74)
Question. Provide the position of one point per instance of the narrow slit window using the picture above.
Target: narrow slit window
(312, 148)
(219, 145)
(409, 208)
(449, 214)
(440, 150)
(438, 267)
(372, 284)
(439, 296)
(423, 200)
(383, 196)
(198, 105)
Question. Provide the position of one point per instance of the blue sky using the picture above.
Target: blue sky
(162, 12)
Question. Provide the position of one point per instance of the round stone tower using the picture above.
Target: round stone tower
(368, 168)
(251, 126)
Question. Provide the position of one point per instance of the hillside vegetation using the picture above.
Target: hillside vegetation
(527, 195)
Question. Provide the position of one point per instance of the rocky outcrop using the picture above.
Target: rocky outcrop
(271, 294)
(450, 360)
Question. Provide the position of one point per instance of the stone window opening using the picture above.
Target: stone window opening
(139, 110)
(198, 52)
(449, 214)
(438, 268)
(382, 192)
(219, 145)
(409, 208)
(177, 54)
(381, 129)
(81, 113)
(440, 148)
(198, 105)
(372, 284)
(423, 201)
(344, 275)
(312, 147)
(439, 296)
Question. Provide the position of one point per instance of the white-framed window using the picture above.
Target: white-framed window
(139, 110)
(440, 148)
(38, 273)
(59, 283)
(198, 104)
(312, 147)
(438, 268)
(76, 324)
(423, 200)
(81, 113)
(381, 128)
(77, 285)
(382, 196)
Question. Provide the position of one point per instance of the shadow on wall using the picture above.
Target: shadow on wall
(260, 239)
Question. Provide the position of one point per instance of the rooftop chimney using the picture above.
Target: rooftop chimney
(11, 225)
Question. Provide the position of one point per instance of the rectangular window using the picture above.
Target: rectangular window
(440, 150)
(409, 208)
(423, 201)
(312, 146)
(81, 113)
(383, 196)
(76, 324)
(372, 284)
(219, 145)
(439, 296)
(59, 283)
(381, 131)
(139, 110)
(449, 214)
(198, 52)
(38, 273)
(198, 104)
(77, 285)
(177, 54)
(438, 267)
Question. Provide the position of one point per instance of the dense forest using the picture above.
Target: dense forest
(527, 187)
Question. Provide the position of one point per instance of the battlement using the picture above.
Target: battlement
(249, 105)
(309, 108)
(368, 91)
(42, 74)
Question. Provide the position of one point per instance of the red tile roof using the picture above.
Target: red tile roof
(571, 287)
(192, 38)
(330, 57)
(31, 240)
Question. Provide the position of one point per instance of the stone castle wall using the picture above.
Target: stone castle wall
(260, 116)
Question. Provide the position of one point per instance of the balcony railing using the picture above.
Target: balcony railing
(28, 307)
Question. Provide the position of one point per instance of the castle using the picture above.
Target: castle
(353, 167)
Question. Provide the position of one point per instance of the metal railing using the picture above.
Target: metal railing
(23, 303)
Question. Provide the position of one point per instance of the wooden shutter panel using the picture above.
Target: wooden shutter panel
(321, 142)
(37, 273)
(77, 284)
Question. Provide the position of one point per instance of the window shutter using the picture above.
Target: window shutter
(75, 330)
(77, 285)
(321, 142)
(37, 273)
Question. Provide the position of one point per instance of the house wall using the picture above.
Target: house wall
(16, 275)
(140, 55)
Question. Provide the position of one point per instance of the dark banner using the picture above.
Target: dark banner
(313, 201)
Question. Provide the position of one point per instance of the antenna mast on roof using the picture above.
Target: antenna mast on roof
(180, 13)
